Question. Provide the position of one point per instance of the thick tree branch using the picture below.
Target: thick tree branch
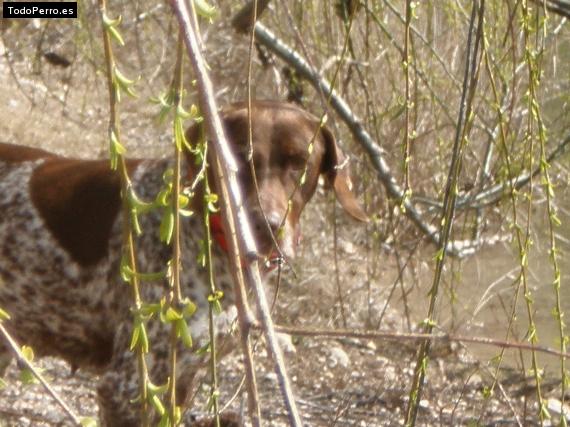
(243, 20)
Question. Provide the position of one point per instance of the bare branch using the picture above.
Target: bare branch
(412, 336)
(243, 20)
(25, 362)
(234, 208)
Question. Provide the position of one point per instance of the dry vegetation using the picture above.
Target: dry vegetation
(374, 277)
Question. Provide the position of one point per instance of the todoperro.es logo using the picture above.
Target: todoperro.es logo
(40, 9)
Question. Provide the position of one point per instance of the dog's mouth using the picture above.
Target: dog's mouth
(273, 252)
(279, 249)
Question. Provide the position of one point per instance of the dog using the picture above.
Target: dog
(61, 245)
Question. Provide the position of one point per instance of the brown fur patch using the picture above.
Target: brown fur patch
(79, 201)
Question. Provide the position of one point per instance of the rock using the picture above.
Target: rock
(271, 377)
(338, 357)
(555, 407)
(286, 343)
(475, 380)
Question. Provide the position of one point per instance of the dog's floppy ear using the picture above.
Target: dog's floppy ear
(335, 169)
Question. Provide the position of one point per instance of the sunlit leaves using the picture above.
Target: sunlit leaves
(111, 25)
(215, 301)
(88, 422)
(204, 9)
(116, 149)
(122, 84)
(139, 337)
(26, 375)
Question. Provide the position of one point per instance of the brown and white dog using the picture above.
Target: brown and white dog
(60, 245)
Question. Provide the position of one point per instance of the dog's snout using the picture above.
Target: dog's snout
(265, 223)
(266, 228)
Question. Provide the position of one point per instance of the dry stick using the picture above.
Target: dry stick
(412, 336)
(233, 204)
(23, 361)
(175, 296)
(375, 152)
(245, 317)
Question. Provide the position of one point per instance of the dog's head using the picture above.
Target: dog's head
(289, 153)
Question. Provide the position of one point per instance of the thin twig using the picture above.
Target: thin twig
(23, 361)
(412, 336)
(175, 292)
(214, 391)
(461, 133)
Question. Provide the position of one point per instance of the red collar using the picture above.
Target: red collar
(218, 235)
(217, 232)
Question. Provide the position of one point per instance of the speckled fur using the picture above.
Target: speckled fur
(82, 314)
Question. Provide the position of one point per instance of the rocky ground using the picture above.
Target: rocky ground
(337, 383)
